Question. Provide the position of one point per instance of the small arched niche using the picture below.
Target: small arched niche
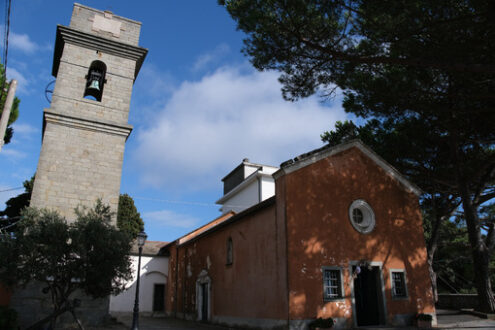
(95, 81)
(230, 251)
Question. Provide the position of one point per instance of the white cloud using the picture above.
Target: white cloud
(207, 127)
(22, 81)
(210, 57)
(153, 82)
(25, 129)
(22, 42)
(167, 218)
(12, 153)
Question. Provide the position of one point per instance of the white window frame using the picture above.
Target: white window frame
(392, 284)
(341, 283)
(368, 216)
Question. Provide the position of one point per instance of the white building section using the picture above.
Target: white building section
(152, 286)
(248, 184)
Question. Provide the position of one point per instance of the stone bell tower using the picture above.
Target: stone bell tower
(96, 60)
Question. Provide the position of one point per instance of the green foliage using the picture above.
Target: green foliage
(8, 318)
(128, 218)
(314, 43)
(89, 255)
(15, 204)
(14, 111)
(453, 263)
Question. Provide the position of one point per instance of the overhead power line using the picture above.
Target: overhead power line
(186, 202)
(10, 189)
(5, 45)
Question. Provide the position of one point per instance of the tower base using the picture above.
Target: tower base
(33, 305)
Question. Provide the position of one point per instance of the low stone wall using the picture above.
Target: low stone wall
(32, 305)
(457, 301)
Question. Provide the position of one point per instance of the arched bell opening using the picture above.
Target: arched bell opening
(95, 81)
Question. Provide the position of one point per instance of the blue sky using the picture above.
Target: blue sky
(198, 108)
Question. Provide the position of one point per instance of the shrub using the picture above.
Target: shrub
(89, 255)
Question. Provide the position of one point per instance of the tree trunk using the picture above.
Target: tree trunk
(79, 324)
(52, 318)
(480, 252)
(432, 249)
(439, 217)
(486, 299)
(433, 277)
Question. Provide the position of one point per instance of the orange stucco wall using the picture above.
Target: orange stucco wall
(316, 199)
(254, 286)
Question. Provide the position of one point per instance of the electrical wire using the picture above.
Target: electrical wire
(6, 32)
(186, 202)
(10, 225)
(10, 189)
(17, 219)
(6, 41)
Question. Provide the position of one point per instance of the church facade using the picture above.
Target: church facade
(342, 237)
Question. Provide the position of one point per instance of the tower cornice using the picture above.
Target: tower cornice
(72, 36)
(87, 124)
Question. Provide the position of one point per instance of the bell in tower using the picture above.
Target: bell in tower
(95, 80)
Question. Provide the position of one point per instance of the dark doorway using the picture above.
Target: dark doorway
(368, 296)
(204, 302)
(159, 298)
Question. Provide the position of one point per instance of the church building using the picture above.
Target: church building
(341, 237)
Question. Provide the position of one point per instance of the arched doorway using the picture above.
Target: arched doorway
(203, 296)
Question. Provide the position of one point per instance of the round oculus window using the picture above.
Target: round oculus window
(361, 216)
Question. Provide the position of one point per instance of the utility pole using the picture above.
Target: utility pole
(6, 110)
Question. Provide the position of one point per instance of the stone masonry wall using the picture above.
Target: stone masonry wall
(83, 142)
(83, 19)
(71, 83)
(76, 167)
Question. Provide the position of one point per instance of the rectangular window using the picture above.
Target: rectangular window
(332, 283)
(398, 278)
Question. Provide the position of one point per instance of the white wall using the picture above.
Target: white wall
(267, 187)
(154, 270)
(250, 169)
(250, 194)
(243, 199)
